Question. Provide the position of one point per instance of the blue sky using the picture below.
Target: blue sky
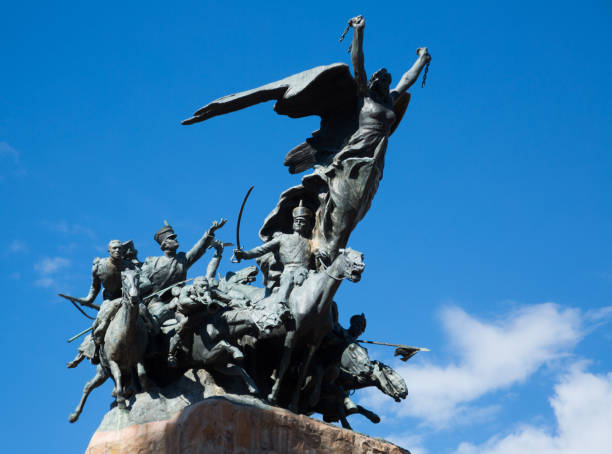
(488, 241)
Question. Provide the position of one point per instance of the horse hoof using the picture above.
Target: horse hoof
(73, 417)
(373, 417)
(272, 399)
(253, 390)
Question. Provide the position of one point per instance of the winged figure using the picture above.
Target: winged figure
(356, 114)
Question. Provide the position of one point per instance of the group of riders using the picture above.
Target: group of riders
(169, 303)
(163, 278)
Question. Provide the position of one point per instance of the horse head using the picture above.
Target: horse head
(243, 276)
(129, 286)
(389, 381)
(351, 264)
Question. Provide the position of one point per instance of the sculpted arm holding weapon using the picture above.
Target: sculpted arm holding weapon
(107, 272)
(96, 286)
(294, 251)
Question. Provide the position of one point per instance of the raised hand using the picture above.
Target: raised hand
(238, 256)
(218, 245)
(424, 54)
(357, 22)
(217, 225)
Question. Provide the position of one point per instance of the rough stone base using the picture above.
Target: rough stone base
(219, 425)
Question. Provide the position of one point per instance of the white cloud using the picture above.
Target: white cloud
(64, 227)
(51, 265)
(489, 356)
(599, 315)
(45, 282)
(583, 411)
(8, 153)
(412, 442)
(17, 246)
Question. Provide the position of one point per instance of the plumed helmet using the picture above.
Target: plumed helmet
(163, 233)
(302, 211)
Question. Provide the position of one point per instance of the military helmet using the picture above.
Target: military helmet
(302, 211)
(163, 233)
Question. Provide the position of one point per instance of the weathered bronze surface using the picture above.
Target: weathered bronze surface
(280, 343)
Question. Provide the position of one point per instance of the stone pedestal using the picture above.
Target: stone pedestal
(225, 426)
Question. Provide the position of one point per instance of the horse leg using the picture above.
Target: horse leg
(293, 406)
(350, 408)
(143, 379)
(232, 369)
(282, 368)
(368, 414)
(176, 341)
(342, 413)
(99, 378)
(129, 383)
(222, 349)
(321, 374)
(118, 391)
(345, 423)
(76, 361)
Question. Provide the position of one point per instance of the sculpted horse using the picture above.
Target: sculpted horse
(124, 346)
(358, 371)
(354, 371)
(310, 306)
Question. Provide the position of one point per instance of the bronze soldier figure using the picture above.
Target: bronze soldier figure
(163, 271)
(106, 272)
(195, 302)
(294, 251)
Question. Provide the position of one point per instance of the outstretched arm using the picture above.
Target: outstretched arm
(96, 285)
(213, 265)
(412, 74)
(358, 24)
(200, 247)
(258, 251)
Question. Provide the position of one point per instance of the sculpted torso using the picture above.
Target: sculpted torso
(163, 271)
(374, 115)
(294, 249)
(110, 276)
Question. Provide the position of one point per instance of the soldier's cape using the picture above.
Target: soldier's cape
(327, 91)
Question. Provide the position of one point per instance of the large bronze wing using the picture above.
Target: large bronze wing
(327, 91)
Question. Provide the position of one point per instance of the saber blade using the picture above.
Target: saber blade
(240, 217)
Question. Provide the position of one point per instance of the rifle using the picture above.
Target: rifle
(164, 290)
(76, 336)
(95, 306)
(74, 301)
